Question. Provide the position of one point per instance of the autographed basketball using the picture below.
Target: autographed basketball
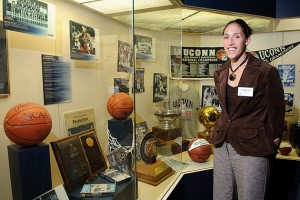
(27, 124)
(120, 105)
(199, 150)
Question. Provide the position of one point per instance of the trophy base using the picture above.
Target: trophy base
(166, 134)
(153, 174)
(175, 146)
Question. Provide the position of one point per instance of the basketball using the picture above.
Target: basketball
(27, 124)
(120, 105)
(199, 150)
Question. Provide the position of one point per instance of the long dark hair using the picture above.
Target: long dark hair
(245, 27)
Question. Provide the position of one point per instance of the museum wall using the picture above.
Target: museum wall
(92, 82)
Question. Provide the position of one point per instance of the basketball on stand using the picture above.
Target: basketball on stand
(199, 150)
(27, 124)
(120, 105)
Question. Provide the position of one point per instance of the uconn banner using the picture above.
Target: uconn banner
(201, 62)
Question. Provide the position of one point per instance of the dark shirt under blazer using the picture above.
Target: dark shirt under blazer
(255, 121)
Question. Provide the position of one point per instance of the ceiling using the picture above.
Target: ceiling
(172, 15)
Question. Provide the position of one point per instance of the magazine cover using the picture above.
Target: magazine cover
(120, 159)
(287, 74)
(141, 131)
(103, 189)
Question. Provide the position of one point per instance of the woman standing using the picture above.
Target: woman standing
(248, 132)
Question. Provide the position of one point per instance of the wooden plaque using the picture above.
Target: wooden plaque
(79, 158)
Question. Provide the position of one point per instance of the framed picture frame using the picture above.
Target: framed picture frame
(79, 158)
(145, 48)
(210, 97)
(160, 87)
(4, 75)
(289, 103)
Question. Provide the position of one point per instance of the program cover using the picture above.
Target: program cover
(115, 175)
(103, 189)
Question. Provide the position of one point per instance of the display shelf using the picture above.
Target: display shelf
(125, 190)
(292, 156)
(164, 189)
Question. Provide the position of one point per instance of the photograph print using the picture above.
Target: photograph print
(121, 85)
(145, 48)
(289, 103)
(210, 97)
(160, 87)
(125, 57)
(84, 42)
(30, 16)
(139, 85)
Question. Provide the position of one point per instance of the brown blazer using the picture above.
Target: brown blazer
(256, 121)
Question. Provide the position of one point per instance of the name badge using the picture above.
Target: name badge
(245, 92)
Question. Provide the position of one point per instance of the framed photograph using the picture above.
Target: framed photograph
(210, 97)
(160, 87)
(145, 48)
(79, 158)
(4, 76)
(84, 42)
(125, 57)
(289, 103)
(31, 17)
(287, 74)
(139, 83)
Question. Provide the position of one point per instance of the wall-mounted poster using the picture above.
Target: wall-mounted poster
(4, 80)
(30, 16)
(210, 97)
(56, 79)
(289, 103)
(201, 62)
(160, 87)
(195, 62)
(145, 48)
(287, 74)
(121, 85)
(125, 57)
(84, 42)
(139, 85)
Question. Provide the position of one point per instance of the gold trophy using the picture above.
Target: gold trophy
(207, 116)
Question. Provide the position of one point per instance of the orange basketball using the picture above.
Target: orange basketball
(120, 105)
(27, 124)
(199, 150)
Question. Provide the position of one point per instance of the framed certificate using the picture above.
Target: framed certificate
(79, 158)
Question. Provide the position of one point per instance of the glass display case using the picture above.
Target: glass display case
(133, 75)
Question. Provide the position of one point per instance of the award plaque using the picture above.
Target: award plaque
(150, 170)
(79, 158)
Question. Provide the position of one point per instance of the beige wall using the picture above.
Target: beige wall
(92, 82)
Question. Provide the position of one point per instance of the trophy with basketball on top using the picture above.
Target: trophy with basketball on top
(27, 125)
(120, 107)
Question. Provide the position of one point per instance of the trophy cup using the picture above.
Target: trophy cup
(207, 116)
(167, 130)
